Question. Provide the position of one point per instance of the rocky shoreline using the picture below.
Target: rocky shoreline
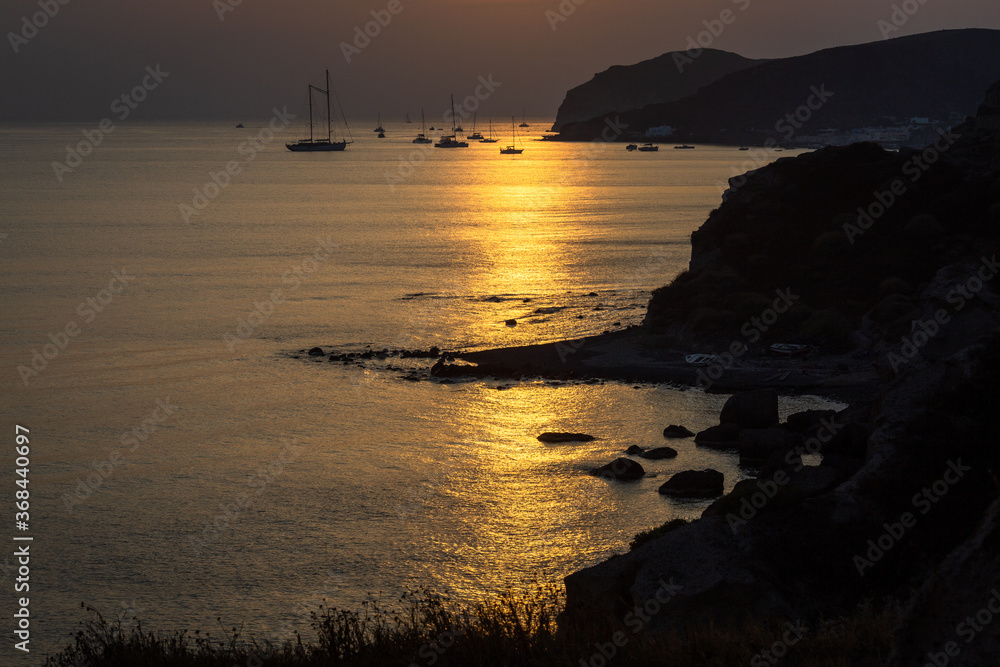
(884, 262)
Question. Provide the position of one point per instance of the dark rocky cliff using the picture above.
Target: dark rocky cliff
(653, 81)
(933, 75)
(904, 504)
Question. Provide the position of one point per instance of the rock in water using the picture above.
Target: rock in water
(635, 450)
(751, 409)
(565, 437)
(511, 323)
(621, 469)
(316, 352)
(723, 436)
(694, 484)
(660, 453)
(675, 431)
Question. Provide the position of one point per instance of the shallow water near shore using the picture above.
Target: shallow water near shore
(263, 484)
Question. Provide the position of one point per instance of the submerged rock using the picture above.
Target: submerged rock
(565, 437)
(723, 436)
(694, 484)
(621, 469)
(675, 431)
(635, 450)
(316, 352)
(660, 453)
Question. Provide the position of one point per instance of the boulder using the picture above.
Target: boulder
(675, 431)
(723, 436)
(751, 409)
(316, 352)
(694, 484)
(844, 465)
(808, 421)
(621, 469)
(757, 445)
(635, 450)
(660, 453)
(811, 481)
(698, 572)
(565, 437)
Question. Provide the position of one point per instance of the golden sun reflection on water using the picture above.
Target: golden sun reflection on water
(524, 505)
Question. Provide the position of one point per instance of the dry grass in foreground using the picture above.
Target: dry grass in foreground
(510, 630)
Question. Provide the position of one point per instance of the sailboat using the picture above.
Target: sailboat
(451, 141)
(478, 136)
(379, 128)
(408, 117)
(422, 138)
(491, 140)
(512, 149)
(524, 123)
(328, 144)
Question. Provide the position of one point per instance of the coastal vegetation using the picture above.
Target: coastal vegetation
(513, 629)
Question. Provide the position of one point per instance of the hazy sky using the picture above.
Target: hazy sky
(262, 53)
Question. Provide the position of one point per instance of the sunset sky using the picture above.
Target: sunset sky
(262, 52)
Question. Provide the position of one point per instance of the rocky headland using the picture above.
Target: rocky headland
(884, 263)
(884, 83)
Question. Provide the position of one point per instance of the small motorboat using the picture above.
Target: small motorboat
(648, 148)
(631, 147)
(239, 126)
(685, 147)
(700, 359)
(744, 148)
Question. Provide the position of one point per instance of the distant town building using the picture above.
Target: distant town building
(660, 131)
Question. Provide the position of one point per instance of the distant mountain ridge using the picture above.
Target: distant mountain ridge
(939, 75)
(656, 81)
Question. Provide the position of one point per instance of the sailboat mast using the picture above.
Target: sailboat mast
(309, 89)
(453, 114)
(328, 117)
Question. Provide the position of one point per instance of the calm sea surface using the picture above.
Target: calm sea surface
(185, 467)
